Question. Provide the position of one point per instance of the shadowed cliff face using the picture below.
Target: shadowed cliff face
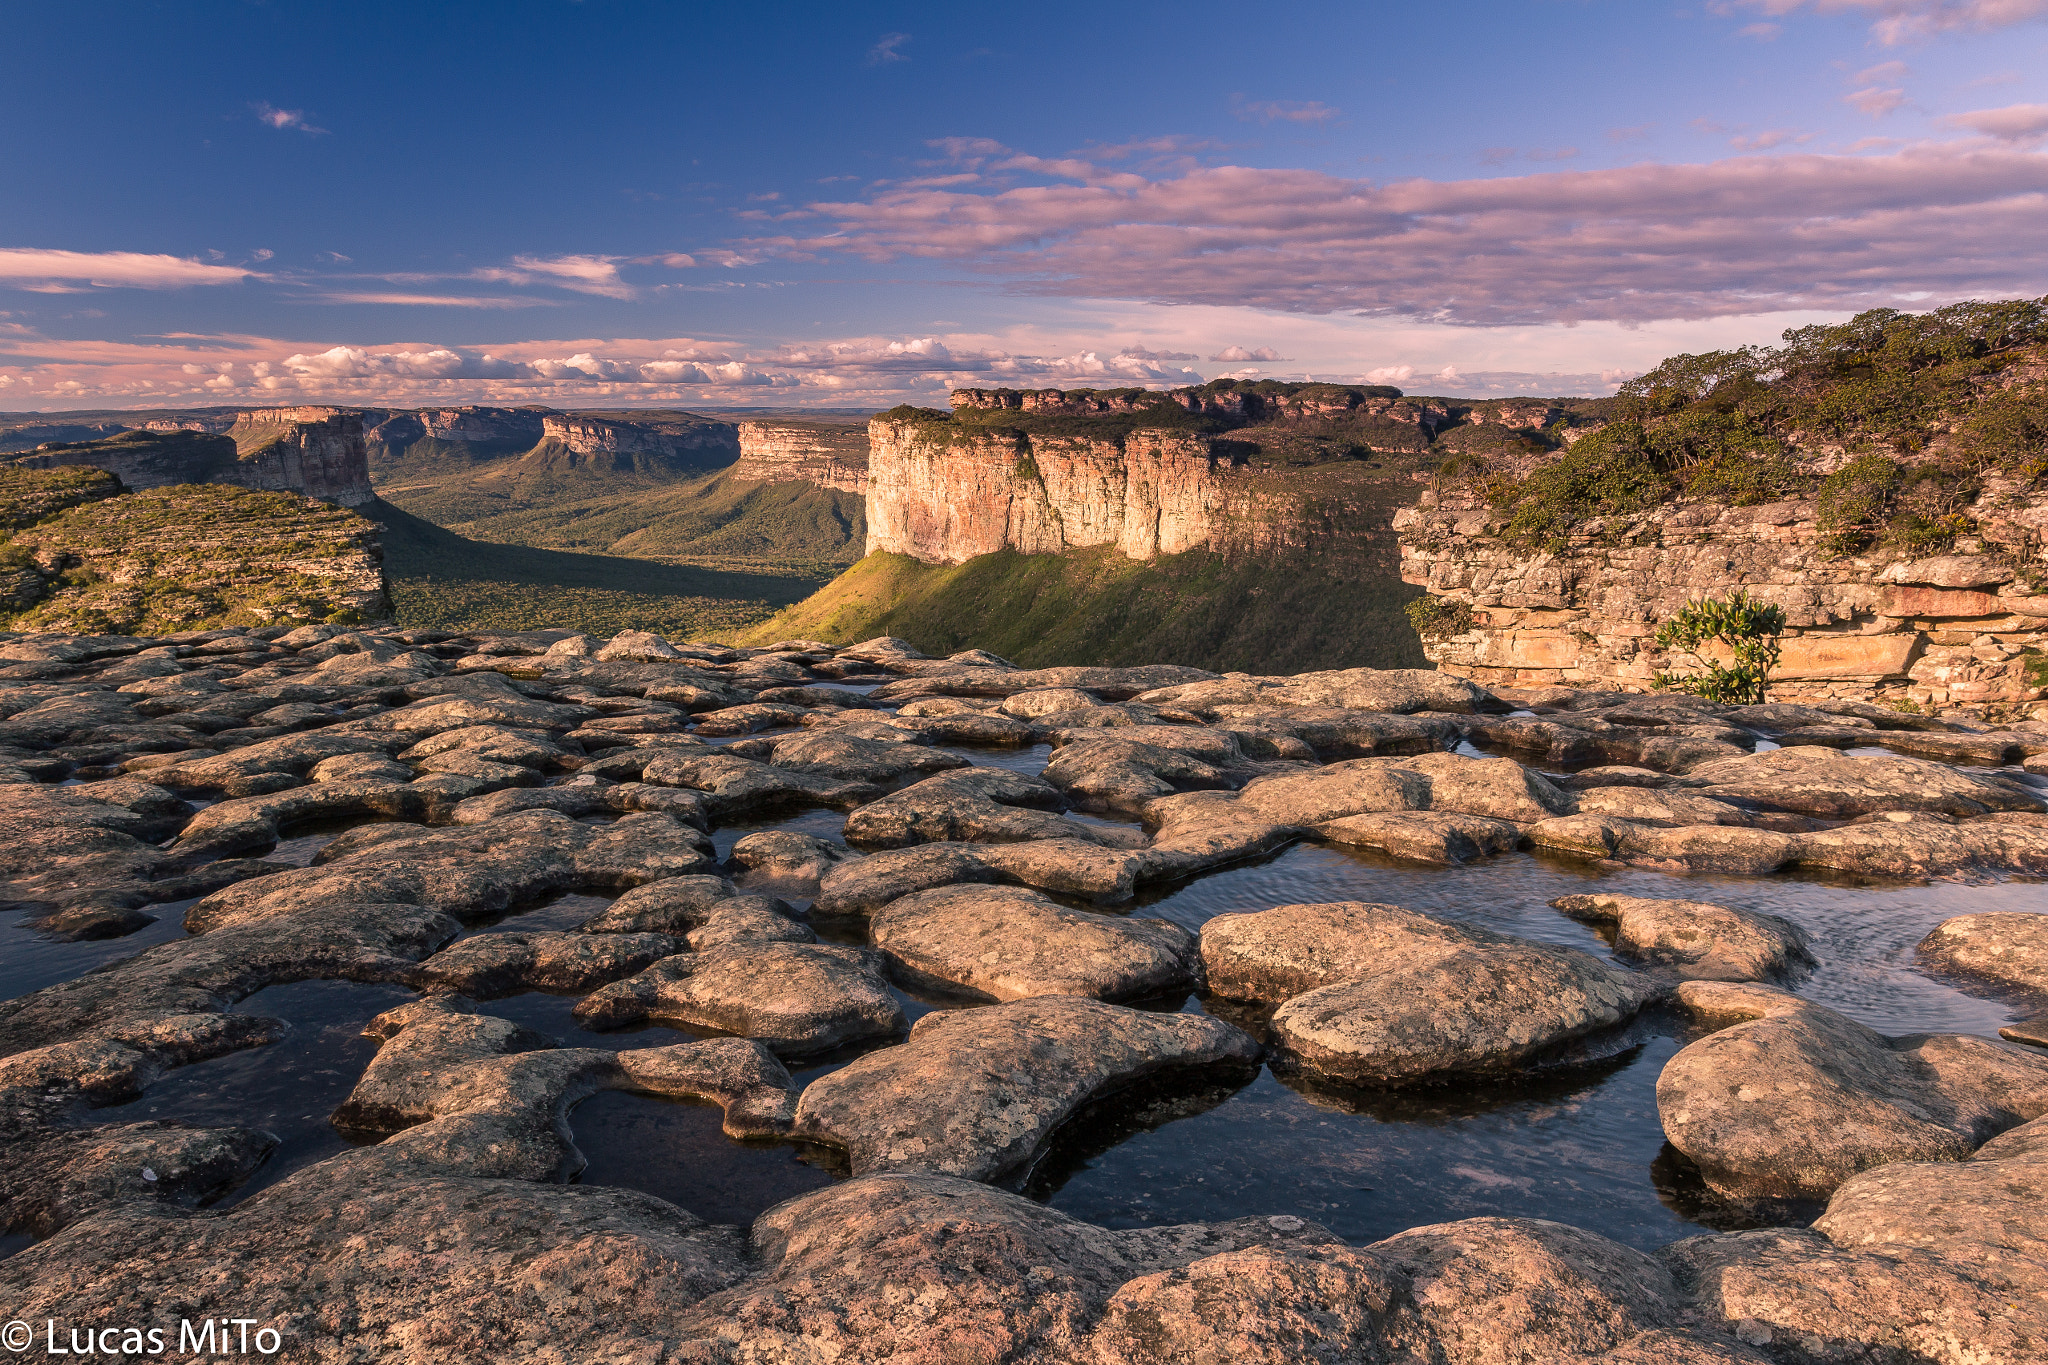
(317, 452)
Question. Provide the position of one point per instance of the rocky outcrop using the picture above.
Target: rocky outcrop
(668, 440)
(828, 455)
(1225, 468)
(315, 451)
(184, 557)
(389, 434)
(1961, 629)
(943, 496)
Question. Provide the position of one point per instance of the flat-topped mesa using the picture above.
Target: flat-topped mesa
(213, 424)
(826, 454)
(315, 451)
(944, 497)
(679, 440)
(318, 452)
(1222, 466)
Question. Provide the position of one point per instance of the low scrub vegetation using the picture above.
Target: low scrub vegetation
(1926, 406)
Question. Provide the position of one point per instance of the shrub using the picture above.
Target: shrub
(905, 412)
(1748, 627)
(2008, 431)
(1438, 618)
(1855, 502)
(1605, 474)
(1742, 480)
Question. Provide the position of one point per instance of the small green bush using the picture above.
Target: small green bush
(1748, 627)
(1439, 618)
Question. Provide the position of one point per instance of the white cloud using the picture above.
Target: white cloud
(28, 267)
(1389, 374)
(1234, 353)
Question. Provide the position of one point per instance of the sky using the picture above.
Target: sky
(619, 203)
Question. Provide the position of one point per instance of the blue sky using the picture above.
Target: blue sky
(857, 204)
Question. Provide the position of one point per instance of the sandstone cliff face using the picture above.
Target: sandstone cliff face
(679, 442)
(945, 500)
(505, 428)
(1960, 629)
(315, 451)
(804, 452)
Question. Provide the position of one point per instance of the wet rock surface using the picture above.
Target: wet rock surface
(797, 998)
(1377, 995)
(451, 894)
(1006, 943)
(1695, 940)
(976, 1093)
(1788, 1099)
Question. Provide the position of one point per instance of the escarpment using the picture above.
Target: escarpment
(675, 440)
(944, 500)
(1883, 483)
(828, 455)
(1227, 467)
(318, 452)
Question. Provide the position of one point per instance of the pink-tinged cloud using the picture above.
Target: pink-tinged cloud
(1629, 244)
(1239, 353)
(1876, 100)
(584, 274)
(28, 267)
(1899, 21)
(285, 119)
(419, 300)
(2014, 123)
(255, 370)
(1769, 138)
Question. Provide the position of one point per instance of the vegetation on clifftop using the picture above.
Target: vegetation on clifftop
(86, 557)
(1891, 420)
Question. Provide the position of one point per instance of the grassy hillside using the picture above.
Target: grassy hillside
(1278, 615)
(441, 579)
(710, 520)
